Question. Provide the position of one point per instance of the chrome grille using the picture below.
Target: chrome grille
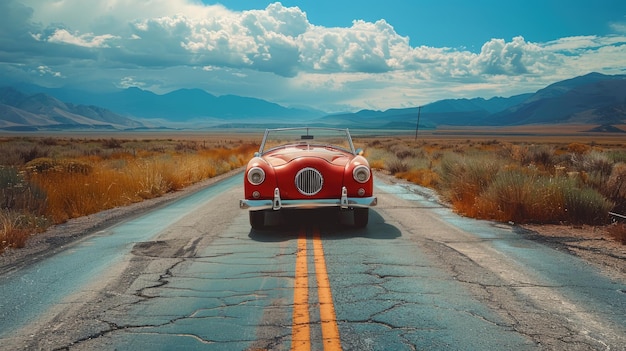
(309, 181)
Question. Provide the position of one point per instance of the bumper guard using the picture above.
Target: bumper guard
(277, 203)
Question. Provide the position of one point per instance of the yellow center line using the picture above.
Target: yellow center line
(301, 334)
(330, 330)
(301, 325)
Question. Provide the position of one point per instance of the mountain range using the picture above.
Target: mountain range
(21, 112)
(590, 99)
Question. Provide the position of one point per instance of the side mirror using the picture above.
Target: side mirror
(257, 154)
(359, 151)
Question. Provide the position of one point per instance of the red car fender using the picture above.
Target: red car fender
(265, 189)
(351, 184)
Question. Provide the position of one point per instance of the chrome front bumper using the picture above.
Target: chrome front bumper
(277, 203)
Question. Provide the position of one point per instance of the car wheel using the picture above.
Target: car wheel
(257, 220)
(361, 217)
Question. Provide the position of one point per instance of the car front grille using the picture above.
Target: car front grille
(309, 181)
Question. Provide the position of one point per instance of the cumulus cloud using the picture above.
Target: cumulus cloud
(87, 40)
(364, 47)
(277, 39)
(517, 57)
(131, 40)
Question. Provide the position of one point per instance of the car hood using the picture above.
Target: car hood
(284, 156)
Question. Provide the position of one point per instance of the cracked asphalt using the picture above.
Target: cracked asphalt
(193, 276)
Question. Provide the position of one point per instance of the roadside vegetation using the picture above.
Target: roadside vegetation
(46, 181)
(571, 183)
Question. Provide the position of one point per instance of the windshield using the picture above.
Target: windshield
(277, 138)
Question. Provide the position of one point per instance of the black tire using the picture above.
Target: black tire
(361, 217)
(257, 220)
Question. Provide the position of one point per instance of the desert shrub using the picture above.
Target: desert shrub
(592, 169)
(396, 165)
(377, 157)
(522, 196)
(593, 161)
(33, 153)
(40, 165)
(75, 166)
(464, 177)
(45, 165)
(112, 143)
(20, 151)
(16, 227)
(586, 206)
(374, 143)
(423, 177)
(16, 193)
(578, 148)
(21, 207)
(539, 155)
(543, 157)
(517, 153)
(402, 151)
(615, 187)
(48, 141)
(617, 156)
(9, 177)
(508, 198)
(188, 146)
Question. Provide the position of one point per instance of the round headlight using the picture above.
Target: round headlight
(256, 175)
(361, 174)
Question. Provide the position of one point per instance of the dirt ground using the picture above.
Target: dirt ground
(593, 244)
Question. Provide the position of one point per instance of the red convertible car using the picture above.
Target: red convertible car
(306, 168)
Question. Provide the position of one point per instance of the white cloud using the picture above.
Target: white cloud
(47, 71)
(85, 16)
(87, 40)
(277, 54)
(129, 81)
(618, 27)
(364, 47)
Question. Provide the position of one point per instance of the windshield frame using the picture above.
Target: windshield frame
(307, 137)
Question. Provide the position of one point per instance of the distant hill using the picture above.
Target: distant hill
(184, 105)
(21, 112)
(590, 99)
(443, 112)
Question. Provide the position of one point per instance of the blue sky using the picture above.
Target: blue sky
(462, 23)
(337, 55)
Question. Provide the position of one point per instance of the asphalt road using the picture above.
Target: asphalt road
(193, 275)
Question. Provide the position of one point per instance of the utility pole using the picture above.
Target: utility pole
(417, 126)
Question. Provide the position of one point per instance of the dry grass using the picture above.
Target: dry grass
(548, 182)
(51, 180)
(523, 179)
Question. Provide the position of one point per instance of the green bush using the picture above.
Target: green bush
(586, 206)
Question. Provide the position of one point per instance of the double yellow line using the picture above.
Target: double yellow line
(301, 328)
